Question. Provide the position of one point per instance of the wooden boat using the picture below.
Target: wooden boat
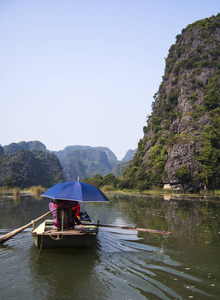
(45, 236)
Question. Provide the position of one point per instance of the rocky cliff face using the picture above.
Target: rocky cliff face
(86, 161)
(32, 145)
(181, 142)
(26, 168)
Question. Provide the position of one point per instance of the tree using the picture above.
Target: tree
(110, 179)
(183, 174)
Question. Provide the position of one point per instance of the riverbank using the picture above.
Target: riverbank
(210, 197)
(37, 191)
(163, 192)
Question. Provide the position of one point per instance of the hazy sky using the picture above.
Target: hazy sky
(84, 72)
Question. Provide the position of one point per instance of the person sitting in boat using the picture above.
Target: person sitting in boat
(76, 212)
(62, 213)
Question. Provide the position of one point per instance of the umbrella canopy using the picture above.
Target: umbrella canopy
(75, 191)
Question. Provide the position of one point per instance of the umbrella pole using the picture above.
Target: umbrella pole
(62, 220)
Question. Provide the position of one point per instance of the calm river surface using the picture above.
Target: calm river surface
(121, 264)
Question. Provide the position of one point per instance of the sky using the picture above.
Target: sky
(84, 72)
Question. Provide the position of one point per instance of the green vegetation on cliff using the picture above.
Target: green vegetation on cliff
(86, 161)
(181, 143)
(26, 168)
(32, 145)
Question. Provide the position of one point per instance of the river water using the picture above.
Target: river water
(122, 264)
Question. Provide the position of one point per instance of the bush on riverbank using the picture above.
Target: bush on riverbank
(37, 191)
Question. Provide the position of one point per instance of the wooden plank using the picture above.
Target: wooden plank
(40, 229)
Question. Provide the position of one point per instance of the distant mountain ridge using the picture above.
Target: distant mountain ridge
(121, 166)
(86, 161)
(128, 156)
(67, 164)
(110, 155)
(33, 145)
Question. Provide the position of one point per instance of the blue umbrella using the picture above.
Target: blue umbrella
(75, 191)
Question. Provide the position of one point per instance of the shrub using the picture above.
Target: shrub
(110, 180)
(183, 174)
(173, 97)
(145, 129)
(37, 190)
(212, 134)
(154, 139)
(212, 96)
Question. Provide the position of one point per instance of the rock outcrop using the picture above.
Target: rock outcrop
(181, 142)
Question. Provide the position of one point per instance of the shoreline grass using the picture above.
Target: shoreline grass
(16, 192)
(37, 191)
(164, 192)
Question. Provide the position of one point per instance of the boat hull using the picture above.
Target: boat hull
(80, 237)
(63, 241)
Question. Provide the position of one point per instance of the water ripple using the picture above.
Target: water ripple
(144, 274)
(122, 265)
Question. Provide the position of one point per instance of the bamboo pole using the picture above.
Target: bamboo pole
(133, 228)
(11, 234)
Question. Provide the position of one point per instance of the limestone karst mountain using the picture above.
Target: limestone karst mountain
(25, 164)
(25, 168)
(86, 161)
(181, 144)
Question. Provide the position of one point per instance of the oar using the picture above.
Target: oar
(9, 235)
(134, 228)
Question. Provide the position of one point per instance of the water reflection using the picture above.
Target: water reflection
(195, 220)
(66, 274)
(115, 268)
(122, 264)
(16, 213)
